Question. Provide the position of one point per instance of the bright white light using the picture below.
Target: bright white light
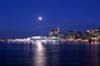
(39, 18)
(39, 45)
(39, 55)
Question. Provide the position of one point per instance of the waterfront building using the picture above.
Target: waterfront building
(94, 34)
(74, 35)
(56, 32)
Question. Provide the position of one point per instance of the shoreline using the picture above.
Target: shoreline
(68, 40)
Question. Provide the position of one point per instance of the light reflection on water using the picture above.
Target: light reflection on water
(93, 56)
(49, 55)
(39, 55)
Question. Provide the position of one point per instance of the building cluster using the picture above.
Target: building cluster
(93, 34)
(89, 35)
(57, 36)
(56, 32)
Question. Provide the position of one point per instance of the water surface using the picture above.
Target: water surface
(14, 54)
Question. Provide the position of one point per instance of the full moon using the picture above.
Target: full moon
(39, 18)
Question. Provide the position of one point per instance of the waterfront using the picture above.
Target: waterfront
(91, 36)
(14, 54)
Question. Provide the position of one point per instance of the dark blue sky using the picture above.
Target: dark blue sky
(20, 16)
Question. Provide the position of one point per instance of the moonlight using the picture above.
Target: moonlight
(40, 18)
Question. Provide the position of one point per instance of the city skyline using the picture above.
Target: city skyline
(18, 16)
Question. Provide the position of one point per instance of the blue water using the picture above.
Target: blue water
(49, 54)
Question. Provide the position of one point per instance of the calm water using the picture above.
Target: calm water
(49, 55)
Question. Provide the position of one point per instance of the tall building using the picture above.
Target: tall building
(55, 32)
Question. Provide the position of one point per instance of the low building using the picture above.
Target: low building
(94, 34)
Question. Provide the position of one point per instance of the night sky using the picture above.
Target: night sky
(20, 17)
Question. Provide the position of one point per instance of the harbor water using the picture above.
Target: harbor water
(66, 54)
